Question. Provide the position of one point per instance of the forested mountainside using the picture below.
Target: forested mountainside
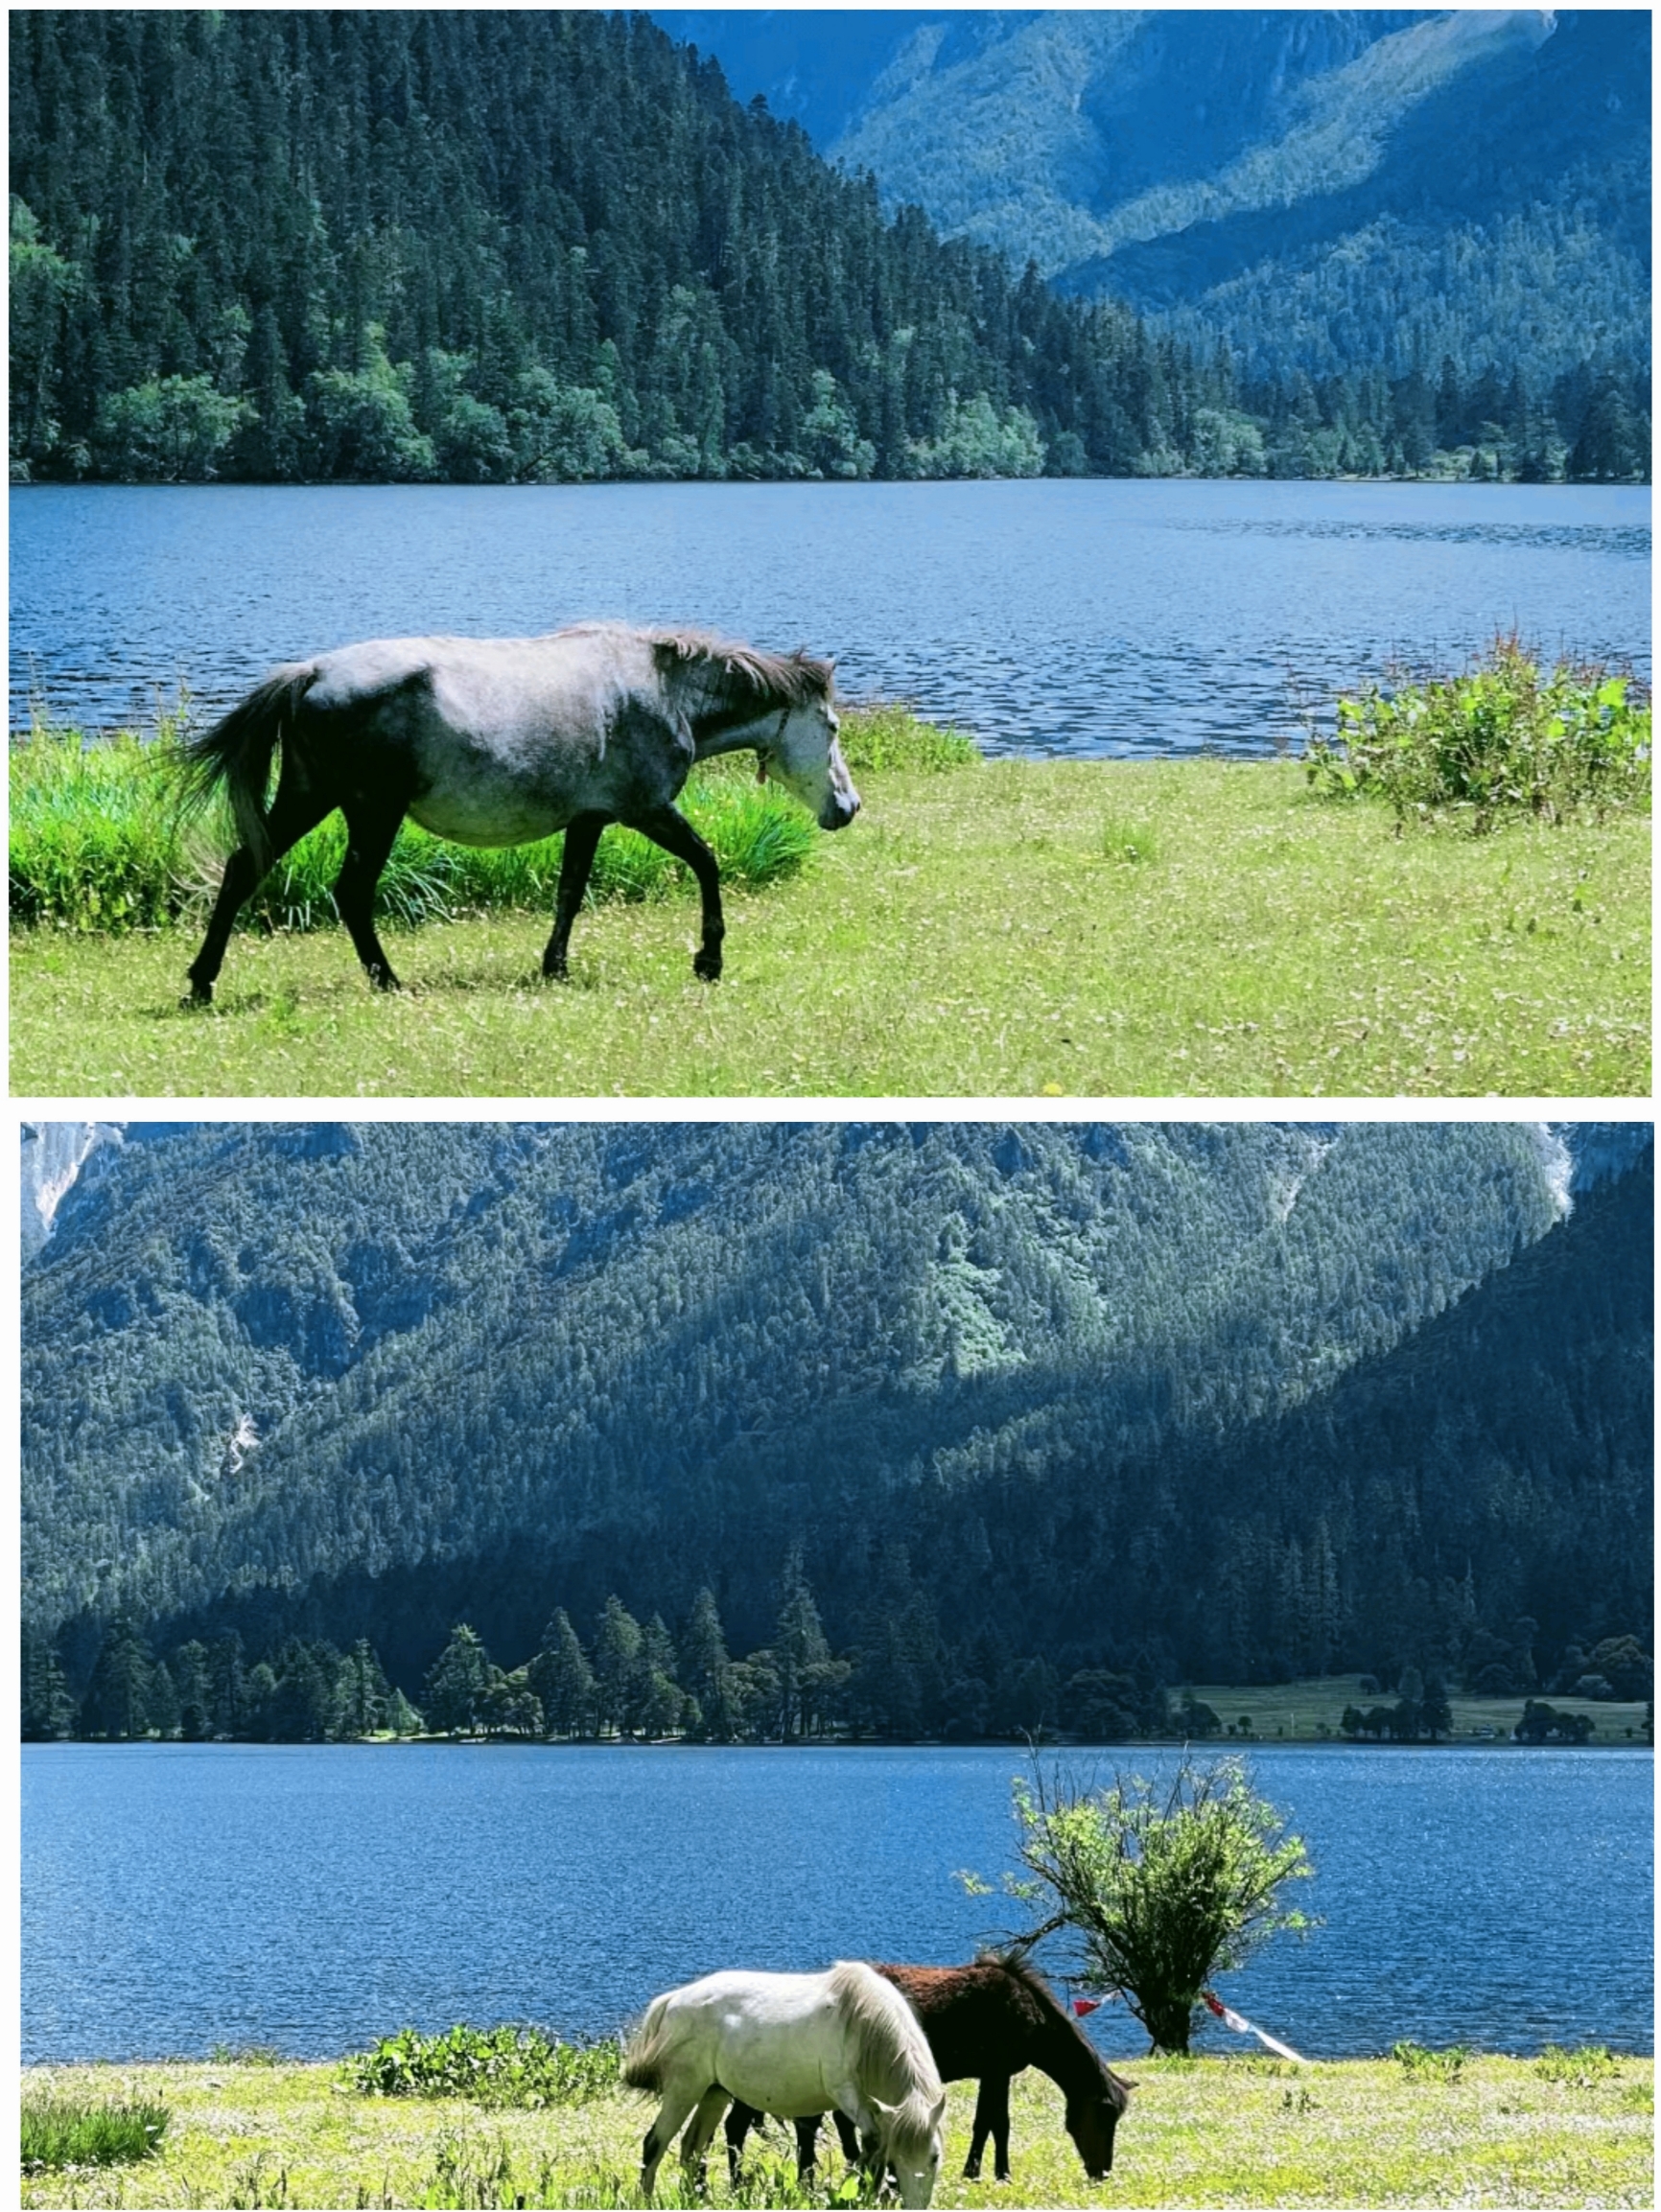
(534, 245)
(1334, 190)
(497, 246)
(1210, 1400)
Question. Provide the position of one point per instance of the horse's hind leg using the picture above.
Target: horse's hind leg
(294, 810)
(581, 838)
(740, 2119)
(677, 837)
(677, 2103)
(371, 831)
(700, 2129)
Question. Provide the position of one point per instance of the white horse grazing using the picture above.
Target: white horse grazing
(791, 2044)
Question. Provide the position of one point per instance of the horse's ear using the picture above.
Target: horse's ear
(1126, 2083)
(882, 2110)
(935, 2117)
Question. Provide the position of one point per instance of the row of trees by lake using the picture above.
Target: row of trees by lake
(633, 1680)
(550, 247)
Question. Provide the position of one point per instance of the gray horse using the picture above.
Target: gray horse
(502, 740)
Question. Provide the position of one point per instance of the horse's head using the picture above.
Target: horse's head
(910, 2138)
(1091, 2121)
(800, 749)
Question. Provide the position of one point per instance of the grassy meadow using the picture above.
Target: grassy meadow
(1311, 1710)
(1005, 928)
(1236, 2131)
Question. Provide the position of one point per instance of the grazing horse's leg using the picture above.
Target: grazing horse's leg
(581, 838)
(848, 2135)
(294, 810)
(806, 2145)
(740, 2119)
(677, 2103)
(699, 2129)
(677, 837)
(991, 2118)
(371, 831)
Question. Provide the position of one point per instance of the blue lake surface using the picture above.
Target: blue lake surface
(179, 1896)
(1050, 617)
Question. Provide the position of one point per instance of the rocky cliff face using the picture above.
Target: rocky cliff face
(53, 1154)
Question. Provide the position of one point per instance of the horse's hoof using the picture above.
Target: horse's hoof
(555, 971)
(198, 995)
(382, 979)
(707, 967)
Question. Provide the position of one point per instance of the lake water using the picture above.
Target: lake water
(179, 1896)
(1090, 616)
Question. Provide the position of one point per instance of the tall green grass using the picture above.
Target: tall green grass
(76, 2132)
(1507, 736)
(98, 840)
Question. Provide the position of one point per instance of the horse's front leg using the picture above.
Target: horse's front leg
(848, 2135)
(806, 2147)
(1000, 2128)
(582, 836)
(677, 837)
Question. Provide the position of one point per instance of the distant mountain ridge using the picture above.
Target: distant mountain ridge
(374, 1378)
(1331, 189)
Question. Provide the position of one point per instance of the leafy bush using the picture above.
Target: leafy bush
(97, 843)
(1429, 2067)
(1507, 736)
(1159, 1890)
(1583, 2069)
(75, 2131)
(496, 2067)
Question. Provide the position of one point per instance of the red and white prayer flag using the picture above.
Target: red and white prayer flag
(1084, 2005)
(1244, 2027)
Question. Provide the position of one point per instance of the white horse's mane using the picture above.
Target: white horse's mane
(893, 2056)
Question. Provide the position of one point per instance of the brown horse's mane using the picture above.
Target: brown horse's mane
(1020, 1969)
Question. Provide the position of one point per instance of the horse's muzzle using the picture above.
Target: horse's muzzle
(838, 812)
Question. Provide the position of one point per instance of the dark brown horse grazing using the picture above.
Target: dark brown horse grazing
(986, 2022)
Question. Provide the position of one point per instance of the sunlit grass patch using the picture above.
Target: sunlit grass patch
(78, 2132)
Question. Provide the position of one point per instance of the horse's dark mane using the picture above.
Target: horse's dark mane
(791, 679)
(1020, 1969)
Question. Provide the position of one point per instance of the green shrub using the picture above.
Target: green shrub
(97, 843)
(487, 2065)
(1582, 2069)
(1507, 736)
(74, 2132)
(875, 738)
(1429, 2067)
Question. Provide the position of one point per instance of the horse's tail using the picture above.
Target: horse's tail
(643, 2058)
(235, 754)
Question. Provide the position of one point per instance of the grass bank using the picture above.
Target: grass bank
(1018, 929)
(1236, 2131)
